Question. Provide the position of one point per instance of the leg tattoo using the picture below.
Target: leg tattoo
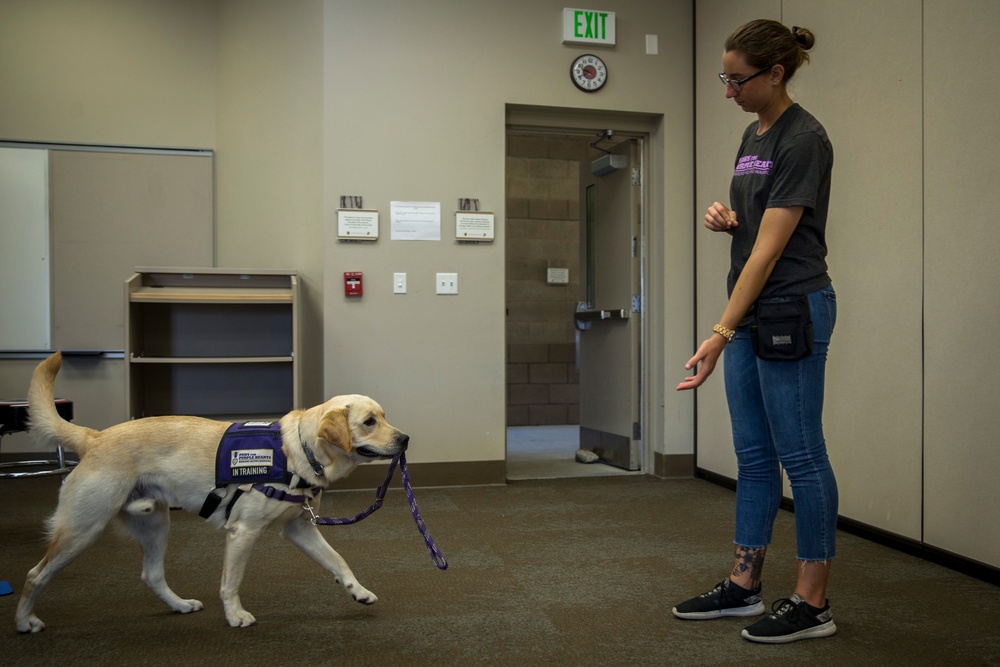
(747, 566)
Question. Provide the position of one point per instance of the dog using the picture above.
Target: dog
(136, 471)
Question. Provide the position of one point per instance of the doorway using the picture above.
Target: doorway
(549, 278)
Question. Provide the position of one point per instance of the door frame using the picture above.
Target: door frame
(643, 127)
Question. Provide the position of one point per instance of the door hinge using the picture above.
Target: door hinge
(636, 303)
(636, 176)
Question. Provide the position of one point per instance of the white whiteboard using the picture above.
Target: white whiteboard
(24, 249)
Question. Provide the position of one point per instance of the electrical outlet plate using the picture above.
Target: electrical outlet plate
(447, 283)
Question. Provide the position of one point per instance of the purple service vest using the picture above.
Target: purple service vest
(251, 452)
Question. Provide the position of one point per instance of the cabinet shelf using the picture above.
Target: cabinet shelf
(210, 360)
(209, 295)
(211, 342)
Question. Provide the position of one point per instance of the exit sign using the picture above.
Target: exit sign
(588, 26)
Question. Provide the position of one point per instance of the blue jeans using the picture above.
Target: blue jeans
(776, 409)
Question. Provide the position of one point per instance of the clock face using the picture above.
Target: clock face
(589, 73)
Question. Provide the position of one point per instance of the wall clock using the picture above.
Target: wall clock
(588, 72)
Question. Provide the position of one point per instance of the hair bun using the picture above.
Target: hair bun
(803, 37)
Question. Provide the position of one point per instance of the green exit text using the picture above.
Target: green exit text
(590, 25)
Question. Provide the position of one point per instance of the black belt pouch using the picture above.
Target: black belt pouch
(782, 329)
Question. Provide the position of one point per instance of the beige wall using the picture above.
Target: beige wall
(306, 101)
(241, 77)
(269, 165)
(104, 72)
(109, 72)
(406, 118)
(909, 383)
(962, 367)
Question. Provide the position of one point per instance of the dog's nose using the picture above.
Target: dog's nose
(403, 440)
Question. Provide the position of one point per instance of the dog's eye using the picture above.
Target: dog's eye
(371, 421)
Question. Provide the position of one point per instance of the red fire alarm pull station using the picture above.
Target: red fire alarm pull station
(352, 283)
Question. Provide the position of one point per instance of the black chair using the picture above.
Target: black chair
(13, 418)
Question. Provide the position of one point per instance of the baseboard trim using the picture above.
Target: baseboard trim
(463, 473)
(370, 476)
(671, 466)
(907, 545)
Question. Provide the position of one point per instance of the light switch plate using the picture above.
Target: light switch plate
(399, 283)
(447, 283)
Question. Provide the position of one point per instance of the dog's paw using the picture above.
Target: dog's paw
(361, 594)
(187, 606)
(30, 624)
(240, 619)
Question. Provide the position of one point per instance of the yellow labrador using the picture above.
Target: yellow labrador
(139, 469)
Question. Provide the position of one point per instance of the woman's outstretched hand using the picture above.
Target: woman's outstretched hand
(703, 362)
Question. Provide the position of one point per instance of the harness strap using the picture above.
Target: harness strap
(211, 504)
(296, 482)
(236, 496)
(213, 499)
(281, 494)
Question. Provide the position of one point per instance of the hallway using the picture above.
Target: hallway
(549, 452)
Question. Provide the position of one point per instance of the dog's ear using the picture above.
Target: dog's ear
(335, 429)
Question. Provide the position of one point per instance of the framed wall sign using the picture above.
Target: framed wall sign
(357, 225)
(474, 226)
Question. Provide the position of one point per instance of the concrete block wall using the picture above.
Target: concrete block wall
(542, 384)
(543, 231)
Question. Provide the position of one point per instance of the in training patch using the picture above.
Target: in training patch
(251, 452)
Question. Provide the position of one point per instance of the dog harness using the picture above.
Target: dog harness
(251, 453)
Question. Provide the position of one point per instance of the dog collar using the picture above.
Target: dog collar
(316, 465)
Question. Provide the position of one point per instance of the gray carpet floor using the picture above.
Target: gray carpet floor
(546, 572)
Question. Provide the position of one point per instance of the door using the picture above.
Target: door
(609, 318)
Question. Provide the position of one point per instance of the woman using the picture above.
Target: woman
(779, 196)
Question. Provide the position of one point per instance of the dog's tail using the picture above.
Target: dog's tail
(46, 424)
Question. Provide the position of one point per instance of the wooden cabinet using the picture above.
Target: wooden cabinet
(219, 343)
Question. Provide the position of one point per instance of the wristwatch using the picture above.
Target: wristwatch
(724, 332)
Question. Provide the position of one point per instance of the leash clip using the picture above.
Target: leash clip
(312, 514)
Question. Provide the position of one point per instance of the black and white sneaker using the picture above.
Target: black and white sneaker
(726, 599)
(791, 621)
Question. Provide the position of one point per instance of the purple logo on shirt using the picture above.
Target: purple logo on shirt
(750, 164)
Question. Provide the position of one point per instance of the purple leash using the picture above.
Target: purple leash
(436, 555)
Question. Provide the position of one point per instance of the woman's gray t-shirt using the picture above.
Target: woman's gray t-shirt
(789, 165)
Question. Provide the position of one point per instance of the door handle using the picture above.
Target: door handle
(600, 315)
